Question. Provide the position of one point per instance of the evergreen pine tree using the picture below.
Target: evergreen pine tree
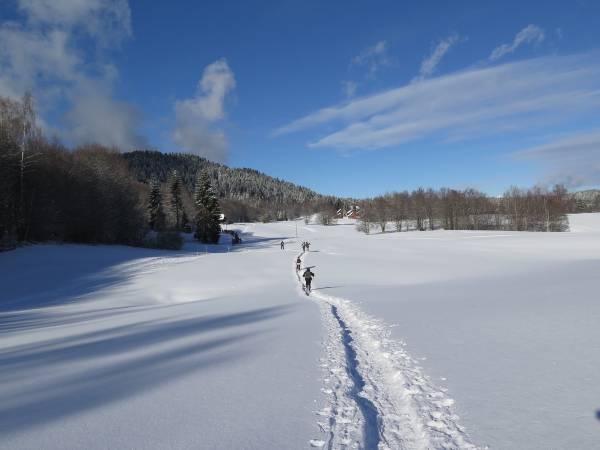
(207, 211)
(155, 210)
(175, 188)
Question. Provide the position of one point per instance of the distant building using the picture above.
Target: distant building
(352, 213)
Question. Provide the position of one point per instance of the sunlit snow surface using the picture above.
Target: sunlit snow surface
(507, 322)
(144, 349)
(458, 339)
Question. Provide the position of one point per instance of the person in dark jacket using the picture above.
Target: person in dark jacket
(308, 276)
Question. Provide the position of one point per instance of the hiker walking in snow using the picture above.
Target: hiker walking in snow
(308, 276)
(282, 245)
(304, 246)
(298, 262)
(308, 246)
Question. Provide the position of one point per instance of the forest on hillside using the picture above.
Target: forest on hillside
(245, 195)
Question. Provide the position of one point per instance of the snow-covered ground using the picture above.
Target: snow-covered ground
(507, 322)
(115, 347)
(408, 341)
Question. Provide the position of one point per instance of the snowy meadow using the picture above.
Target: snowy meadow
(418, 340)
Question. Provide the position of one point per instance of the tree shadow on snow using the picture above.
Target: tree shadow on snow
(327, 287)
(51, 275)
(44, 276)
(70, 375)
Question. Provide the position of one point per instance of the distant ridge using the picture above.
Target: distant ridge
(272, 196)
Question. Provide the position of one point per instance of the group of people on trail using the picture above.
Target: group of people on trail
(305, 246)
(307, 275)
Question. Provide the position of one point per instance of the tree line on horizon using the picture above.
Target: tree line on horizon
(533, 209)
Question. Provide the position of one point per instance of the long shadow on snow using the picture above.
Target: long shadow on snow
(121, 339)
(327, 287)
(54, 275)
(38, 319)
(51, 275)
(138, 367)
(252, 241)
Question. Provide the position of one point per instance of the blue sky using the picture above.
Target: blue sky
(349, 98)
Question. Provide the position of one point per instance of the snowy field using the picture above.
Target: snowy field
(121, 348)
(408, 341)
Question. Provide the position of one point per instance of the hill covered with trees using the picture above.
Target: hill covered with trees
(244, 194)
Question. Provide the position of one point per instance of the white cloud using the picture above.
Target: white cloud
(373, 58)
(349, 88)
(481, 101)
(109, 21)
(529, 34)
(96, 117)
(573, 160)
(197, 119)
(46, 55)
(429, 64)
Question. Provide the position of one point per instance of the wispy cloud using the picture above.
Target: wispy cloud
(573, 160)
(198, 119)
(373, 58)
(472, 103)
(349, 88)
(529, 34)
(430, 63)
(95, 116)
(45, 54)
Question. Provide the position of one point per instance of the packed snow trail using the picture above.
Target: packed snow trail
(378, 396)
(368, 410)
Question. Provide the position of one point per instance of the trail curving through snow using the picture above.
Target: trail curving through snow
(377, 396)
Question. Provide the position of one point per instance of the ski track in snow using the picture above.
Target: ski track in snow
(377, 396)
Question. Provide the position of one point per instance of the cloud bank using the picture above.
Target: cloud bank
(199, 119)
(464, 105)
(43, 53)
